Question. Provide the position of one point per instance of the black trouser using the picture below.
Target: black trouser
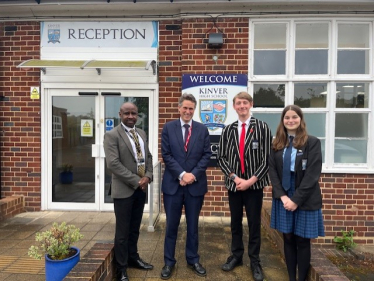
(297, 254)
(252, 202)
(129, 213)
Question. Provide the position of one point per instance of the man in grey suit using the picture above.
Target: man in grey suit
(128, 158)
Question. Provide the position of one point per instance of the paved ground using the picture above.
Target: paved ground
(17, 234)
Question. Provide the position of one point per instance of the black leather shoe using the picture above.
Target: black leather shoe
(166, 272)
(231, 263)
(257, 273)
(198, 269)
(123, 277)
(140, 264)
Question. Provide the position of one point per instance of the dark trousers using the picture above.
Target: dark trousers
(173, 205)
(129, 213)
(252, 202)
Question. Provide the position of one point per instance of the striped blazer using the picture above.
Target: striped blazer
(256, 152)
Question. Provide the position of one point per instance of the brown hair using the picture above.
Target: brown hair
(281, 139)
(243, 95)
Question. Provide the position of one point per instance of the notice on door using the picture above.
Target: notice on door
(86, 128)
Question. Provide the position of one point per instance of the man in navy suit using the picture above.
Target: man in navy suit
(185, 148)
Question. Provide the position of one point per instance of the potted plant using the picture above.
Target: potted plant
(66, 176)
(56, 245)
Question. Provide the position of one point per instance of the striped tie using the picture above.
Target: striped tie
(139, 154)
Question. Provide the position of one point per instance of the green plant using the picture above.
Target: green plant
(67, 167)
(345, 241)
(55, 242)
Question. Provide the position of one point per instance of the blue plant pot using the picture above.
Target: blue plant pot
(56, 270)
(66, 177)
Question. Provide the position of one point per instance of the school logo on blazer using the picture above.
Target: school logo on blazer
(213, 113)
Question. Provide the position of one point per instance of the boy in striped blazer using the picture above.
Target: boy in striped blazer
(243, 153)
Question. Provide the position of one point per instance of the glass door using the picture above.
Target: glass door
(78, 119)
(111, 110)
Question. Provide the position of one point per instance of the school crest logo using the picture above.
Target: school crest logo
(213, 113)
(54, 35)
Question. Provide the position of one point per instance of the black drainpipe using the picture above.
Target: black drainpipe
(2, 98)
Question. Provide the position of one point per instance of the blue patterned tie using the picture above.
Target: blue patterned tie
(286, 179)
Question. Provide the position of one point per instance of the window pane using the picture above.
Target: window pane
(272, 119)
(312, 35)
(316, 124)
(311, 61)
(269, 62)
(351, 125)
(353, 62)
(351, 136)
(350, 151)
(353, 36)
(310, 94)
(268, 95)
(270, 36)
(352, 95)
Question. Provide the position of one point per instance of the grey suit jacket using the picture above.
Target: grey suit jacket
(121, 161)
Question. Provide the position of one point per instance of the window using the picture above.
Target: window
(323, 66)
(57, 127)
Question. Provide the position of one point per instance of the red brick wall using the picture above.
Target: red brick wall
(19, 115)
(348, 199)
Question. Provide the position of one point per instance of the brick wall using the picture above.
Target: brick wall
(19, 115)
(348, 199)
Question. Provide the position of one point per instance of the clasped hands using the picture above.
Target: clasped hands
(143, 183)
(187, 178)
(288, 204)
(242, 184)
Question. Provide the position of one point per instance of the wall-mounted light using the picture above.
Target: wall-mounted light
(215, 40)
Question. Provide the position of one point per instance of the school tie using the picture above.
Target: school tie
(241, 147)
(186, 133)
(286, 179)
(139, 154)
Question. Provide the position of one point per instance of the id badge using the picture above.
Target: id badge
(255, 145)
(303, 164)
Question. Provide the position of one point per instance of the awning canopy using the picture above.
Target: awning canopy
(97, 64)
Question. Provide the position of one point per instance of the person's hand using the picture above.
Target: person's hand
(289, 205)
(143, 183)
(182, 183)
(188, 178)
(242, 184)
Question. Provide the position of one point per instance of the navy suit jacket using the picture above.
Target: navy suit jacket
(177, 160)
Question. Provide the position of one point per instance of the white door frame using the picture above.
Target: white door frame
(72, 89)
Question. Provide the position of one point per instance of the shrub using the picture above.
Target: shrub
(55, 242)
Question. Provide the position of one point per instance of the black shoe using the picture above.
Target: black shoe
(122, 277)
(257, 273)
(198, 269)
(166, 272)
(140, 264)
(231, 263)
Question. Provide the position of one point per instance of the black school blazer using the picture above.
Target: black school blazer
(308, 192)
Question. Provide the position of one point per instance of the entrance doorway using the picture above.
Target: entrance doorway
(77, 176)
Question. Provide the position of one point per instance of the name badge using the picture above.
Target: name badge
(303, 164)
(255, 145)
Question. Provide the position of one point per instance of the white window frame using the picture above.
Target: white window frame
(331, 78)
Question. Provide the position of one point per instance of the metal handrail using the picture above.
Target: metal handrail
(155, 197)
